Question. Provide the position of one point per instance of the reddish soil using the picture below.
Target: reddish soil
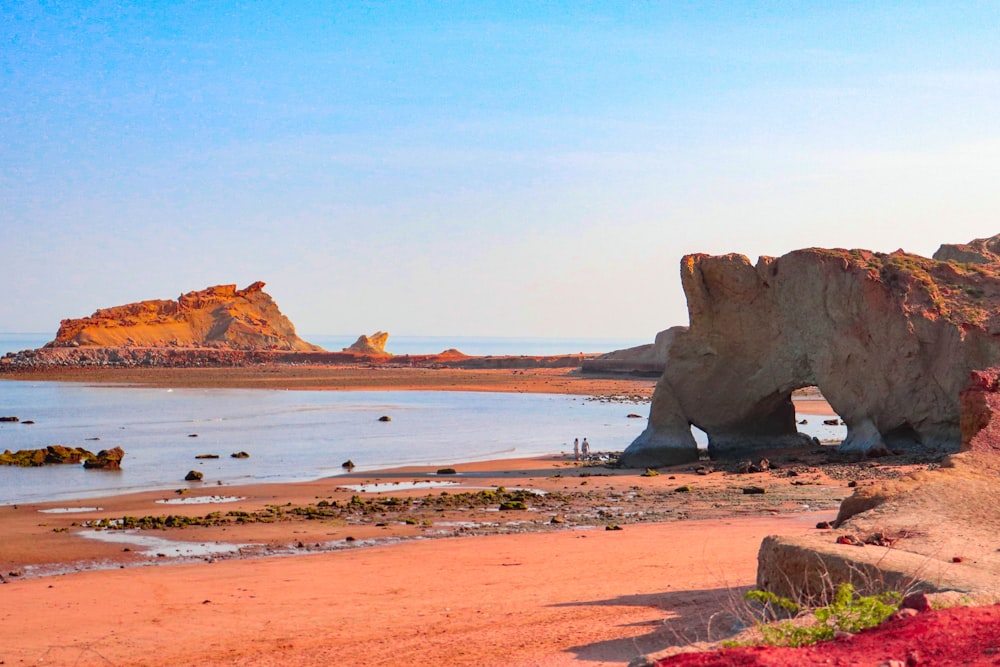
(957, 636)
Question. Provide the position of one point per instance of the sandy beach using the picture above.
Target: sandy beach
(432, 586)
(597, 566)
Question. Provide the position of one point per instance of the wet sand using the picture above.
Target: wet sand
(361, 377)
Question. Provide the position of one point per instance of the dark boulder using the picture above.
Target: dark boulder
(106, 459)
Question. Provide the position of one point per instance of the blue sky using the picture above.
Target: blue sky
(477, 168)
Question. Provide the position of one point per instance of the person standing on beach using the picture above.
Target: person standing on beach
(576, 449)
(586, 448)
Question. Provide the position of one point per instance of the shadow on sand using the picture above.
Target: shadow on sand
(689, 617)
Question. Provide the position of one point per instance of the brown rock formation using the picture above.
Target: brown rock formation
(649, 359)
(980, 412)
(979, 251)
(890, 341)
(106, 459)
(220, 316)
(51, 455)
(374, 344)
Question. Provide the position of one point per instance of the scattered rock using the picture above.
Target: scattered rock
(385, 418)
(512, 505)
(347, 465)
(747, 467)
(633, 415)
(106, 459)
(753, 490)
(192, 435)
(240, 455)
(447, 471)
(9, 419)
(193, 476)
(824, 525)
(207, 456)
(918, 601)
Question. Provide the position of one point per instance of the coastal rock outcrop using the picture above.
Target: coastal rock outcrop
(980, 412)
(374, 344)
(106, 459)
(978, 251)
(61, 455)
(220, 317)
(51, 455)
(649, 359)
(889, 339)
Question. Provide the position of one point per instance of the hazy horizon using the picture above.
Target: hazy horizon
(490, 169)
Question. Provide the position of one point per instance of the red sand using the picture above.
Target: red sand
(603, 597)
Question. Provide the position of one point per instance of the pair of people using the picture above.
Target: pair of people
(580, 450)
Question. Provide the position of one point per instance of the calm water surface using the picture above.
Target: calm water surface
(290, 435)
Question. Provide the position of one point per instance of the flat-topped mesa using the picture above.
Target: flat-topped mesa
(374, 344)
(889, 339)
(220, 316)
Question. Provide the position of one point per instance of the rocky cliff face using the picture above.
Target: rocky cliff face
(220, 316)
(890, 340)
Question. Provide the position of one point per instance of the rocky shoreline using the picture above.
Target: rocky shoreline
(224, 357)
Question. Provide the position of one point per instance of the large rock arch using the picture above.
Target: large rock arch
(889, 340)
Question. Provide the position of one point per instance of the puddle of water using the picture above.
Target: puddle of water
(201, 500)
(69, 510)
(153, 546)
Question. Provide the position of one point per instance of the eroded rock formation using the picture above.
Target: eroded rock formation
(649, 359)
(889, 339)
(978, 251)
(980, 412)
(374, 344)
(220, 316)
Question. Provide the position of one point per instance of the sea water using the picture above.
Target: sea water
(299, 435)
(290, 435)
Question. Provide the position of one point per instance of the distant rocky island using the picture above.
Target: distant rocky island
(220, 317)
(223, 326)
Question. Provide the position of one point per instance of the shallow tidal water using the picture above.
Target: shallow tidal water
(290, 435)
